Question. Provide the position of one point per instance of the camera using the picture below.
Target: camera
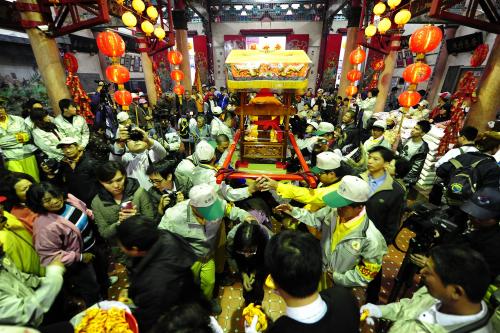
(430, 223)
(134, 134)
(172, 195)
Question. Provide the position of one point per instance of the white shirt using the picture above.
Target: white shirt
(454, 153)
(310, 313)
(412, 148)
(433, 316)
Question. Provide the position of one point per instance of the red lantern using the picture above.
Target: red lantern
(177, 75)
(378, 64)
(179, 89)
(123, 97)
(351, 90)
(353, 75)
(409, 98)
(117, 74)
(417, 72)
(70, 62)
(357, 56)
(174, 57)
(111, 44)
(426, 39)
(479, 55)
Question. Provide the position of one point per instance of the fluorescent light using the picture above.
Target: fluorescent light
(249, 7)
(244, 13)
(285, 6)
(295, 6)
(289, 12)
(238, 7)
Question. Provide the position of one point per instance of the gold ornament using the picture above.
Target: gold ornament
(129, 19)
(147, 27)
(159, 33)
(152, 12)
(138, 6)
(370, 30)
(384, 25)
(379, 8)
(402, 17)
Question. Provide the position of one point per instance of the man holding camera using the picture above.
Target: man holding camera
(137, 151)
(483, 232)
(165, 192)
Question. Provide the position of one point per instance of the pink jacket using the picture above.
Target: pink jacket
(55, 236)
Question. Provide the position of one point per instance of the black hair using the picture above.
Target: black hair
(138, 231)
(487, 142)
(250, 235)
(37, 116)
(462, 266)
(229, 115)
(343, 170)
(424, 125)
(374, 92)
(294, 261)
(386, 153)
(201, 116)
(7, 184)
(184, 318)
(28, 105)
(64, 104)
(401, 167)
(107, 170)
(393, 89)
(164, 168)
(221, 138)
(469, 132)
(35, 194)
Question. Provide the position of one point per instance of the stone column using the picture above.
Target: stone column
(350, 45)
(46, 54)
(440, 66)
(487, 106)
(181, 40)
(385, 78)
(147, 69)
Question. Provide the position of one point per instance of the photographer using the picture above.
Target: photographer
(483, 232)
(165, 192)
(103, 107)
(137, 151)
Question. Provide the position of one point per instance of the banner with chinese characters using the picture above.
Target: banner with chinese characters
(200, 45)
(331, 60)
(297, 42)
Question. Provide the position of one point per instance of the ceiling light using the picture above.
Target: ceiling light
(249, 7)
(244, 13)
(285, 6)
(238, 7)
(289, 12)
(295, 6)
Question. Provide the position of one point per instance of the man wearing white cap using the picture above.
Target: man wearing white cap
(352, 247)
(198, 220)
(377, 138)
(204, 173)
(218, 126)
(329, 169)
(421, 112)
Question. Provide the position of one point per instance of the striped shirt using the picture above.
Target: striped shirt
(81, 221)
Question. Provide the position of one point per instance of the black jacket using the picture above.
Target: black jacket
(161, 279)
(485, 241)
(81, 182)
(386, 206)
(488, 171)
(352, 135)
(342, 315)
(416, 161)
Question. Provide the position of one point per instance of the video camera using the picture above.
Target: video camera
(430, 223)
(134, 134)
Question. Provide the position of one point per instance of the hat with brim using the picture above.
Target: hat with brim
(478, 212)
(324, 128)
(213, 212)
(335, 200)
(66, 142)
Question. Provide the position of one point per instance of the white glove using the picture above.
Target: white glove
(253, 326)
(373, 312)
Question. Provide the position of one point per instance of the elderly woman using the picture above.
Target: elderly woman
(63, 231)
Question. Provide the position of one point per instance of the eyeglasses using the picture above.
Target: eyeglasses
(155, 181)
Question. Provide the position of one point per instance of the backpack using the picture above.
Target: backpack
(462, 182)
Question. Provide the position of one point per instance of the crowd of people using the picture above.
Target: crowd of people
(138, 187)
